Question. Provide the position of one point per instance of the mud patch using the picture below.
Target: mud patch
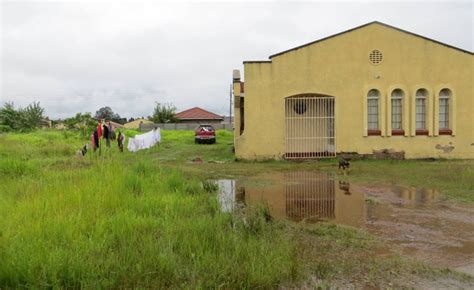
(423, 226)
(414, 221)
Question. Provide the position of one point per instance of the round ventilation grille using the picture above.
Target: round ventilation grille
(300, 107)
(375, 56)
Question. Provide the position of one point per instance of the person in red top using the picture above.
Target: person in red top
(99, 129)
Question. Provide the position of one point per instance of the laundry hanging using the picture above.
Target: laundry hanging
(144, 141)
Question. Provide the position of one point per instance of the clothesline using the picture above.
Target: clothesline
(144, 141)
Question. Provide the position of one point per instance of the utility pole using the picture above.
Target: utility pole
(230, 105)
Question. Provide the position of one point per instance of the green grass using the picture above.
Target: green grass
(454, 179)
(109, 223)
(149, 220)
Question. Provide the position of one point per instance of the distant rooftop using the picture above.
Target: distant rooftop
(197, 113)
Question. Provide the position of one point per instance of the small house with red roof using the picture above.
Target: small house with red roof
(199, 116)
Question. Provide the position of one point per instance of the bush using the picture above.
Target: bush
(21, 119)
(5, 128)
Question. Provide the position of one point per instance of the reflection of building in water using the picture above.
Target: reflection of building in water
(344, 186)
(418, 195)
(240, 195)
(307, 196)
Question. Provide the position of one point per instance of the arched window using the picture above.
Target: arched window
(373, 126)
(444, 103)
(397, 112)
(420, 111)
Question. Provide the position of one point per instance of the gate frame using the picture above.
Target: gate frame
(309, 155)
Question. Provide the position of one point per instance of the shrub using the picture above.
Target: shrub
(5, 128)
(21, 119)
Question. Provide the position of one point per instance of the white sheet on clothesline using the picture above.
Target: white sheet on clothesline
(144, 141)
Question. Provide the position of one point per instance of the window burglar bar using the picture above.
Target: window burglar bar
(397, 114)
(373, 110)
(443, 113)
(420, 109)
(420, 114)
(373, 114)
(310, 129)
(397, 96)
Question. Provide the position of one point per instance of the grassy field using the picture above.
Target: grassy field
(146, 220)
(453, 178)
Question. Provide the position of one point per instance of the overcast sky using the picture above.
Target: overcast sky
(80, 56)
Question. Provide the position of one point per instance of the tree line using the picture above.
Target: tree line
(21, 119)
(32, 117)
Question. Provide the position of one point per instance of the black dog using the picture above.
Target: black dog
(344, 163)
(82, 151)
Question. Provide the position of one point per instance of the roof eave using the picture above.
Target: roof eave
(201, 118)
(256, 61)
(364, 25)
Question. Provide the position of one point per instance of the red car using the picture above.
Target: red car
(205, 133)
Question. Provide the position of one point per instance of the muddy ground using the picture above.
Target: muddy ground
(414, 222)
(422, 225)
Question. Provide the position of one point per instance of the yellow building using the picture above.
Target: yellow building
(136, 123)
(371, 89)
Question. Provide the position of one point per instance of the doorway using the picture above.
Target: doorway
(310, 126)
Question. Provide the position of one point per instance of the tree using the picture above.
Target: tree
(9, 117)
(107, 113)
(82, 122)
(33, 114)
(21, 119)
(164, 113)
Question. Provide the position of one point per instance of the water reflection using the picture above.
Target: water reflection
(413, 218)
(297, 196)
(417, 196)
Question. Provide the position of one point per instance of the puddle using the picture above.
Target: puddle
(415, 220)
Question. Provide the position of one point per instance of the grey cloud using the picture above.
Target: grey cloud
(80, 56)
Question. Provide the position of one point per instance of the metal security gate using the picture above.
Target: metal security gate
(310, 129)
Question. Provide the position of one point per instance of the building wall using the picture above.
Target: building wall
(181, 126)
(136, 123)
(340, 67)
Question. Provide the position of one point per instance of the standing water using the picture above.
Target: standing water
(414, 220)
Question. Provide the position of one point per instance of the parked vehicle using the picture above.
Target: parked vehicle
(205, 134)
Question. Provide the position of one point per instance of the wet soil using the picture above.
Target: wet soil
(422, 225)
(414, 221)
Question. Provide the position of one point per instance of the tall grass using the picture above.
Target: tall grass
(122, 223)
(123, 220)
